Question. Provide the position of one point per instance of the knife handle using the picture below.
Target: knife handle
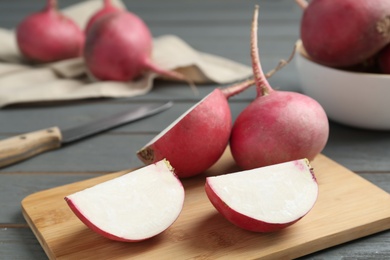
(27, 145)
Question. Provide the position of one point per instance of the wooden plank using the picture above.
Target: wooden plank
(17, 186)
(358, 149)
(342, 213)
(371, 247)
(173, 11)
(103, 153)
(20, 121)
(111, 152)
(20, 244)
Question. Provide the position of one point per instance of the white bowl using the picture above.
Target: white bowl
(351, 98)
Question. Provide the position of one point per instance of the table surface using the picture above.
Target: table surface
(217, 27)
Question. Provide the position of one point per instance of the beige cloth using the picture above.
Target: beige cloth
(69, 80)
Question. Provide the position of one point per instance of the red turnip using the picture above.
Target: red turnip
(133, 207)
(119, 46)
(197, 139)
(48, 36)
(108, 8)
(278, 126)
(265, 199)
(384, 60)
(345, 33)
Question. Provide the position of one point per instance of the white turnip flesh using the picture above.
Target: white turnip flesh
(133, 207)
(265, 199)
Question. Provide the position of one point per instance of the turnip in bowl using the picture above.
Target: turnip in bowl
(352, 98)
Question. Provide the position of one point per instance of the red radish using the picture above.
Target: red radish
(198, 138)
(48, 36)
(133, 207)
(118, 47)
(384, 60)
(184, 142)
(108, 8)
(278, 126)
(344, 33)
(265, 199)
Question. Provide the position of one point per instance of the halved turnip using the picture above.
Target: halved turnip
(198, 138)
(265, 199)
(132, 207)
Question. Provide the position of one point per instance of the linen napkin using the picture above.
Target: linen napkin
(69, 79)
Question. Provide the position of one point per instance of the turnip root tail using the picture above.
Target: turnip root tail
(302, 4)
(107, 3)
(170, 74)
(263, 87)
(240, 87)
(282, 63)
(237, 88)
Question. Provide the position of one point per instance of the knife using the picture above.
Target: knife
(27, 145)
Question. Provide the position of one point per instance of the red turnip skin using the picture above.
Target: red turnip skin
(197, 139)
(266, 199)
(119, 46)
(108, 8)
(278, 126)
(384, 60)
(48, 36)
(345, 33)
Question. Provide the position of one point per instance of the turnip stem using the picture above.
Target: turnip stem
(170, 74)
(51, 5)
(263, 87)
(302, 4)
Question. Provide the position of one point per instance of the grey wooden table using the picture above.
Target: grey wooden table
(217, 27)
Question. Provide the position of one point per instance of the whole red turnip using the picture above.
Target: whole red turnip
(119, 47)
(384, 60)
(48, 36)
(344, 33)
(278, 126)
(108, 8)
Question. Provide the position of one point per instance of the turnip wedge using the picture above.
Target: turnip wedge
(133, 207)
(265, 199)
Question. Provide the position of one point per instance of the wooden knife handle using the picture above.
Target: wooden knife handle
(27, 145)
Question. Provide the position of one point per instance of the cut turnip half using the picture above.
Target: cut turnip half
(132, 207)
(195, 140)
(198, 138)
(265, 199)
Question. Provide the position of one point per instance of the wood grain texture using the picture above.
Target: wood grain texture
(24, 146)
(342, 213)
(213, 26)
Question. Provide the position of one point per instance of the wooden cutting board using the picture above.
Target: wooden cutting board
(348, 207)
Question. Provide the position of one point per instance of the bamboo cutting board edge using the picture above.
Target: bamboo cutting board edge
(314, 236)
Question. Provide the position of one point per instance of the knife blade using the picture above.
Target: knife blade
(24, 146)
